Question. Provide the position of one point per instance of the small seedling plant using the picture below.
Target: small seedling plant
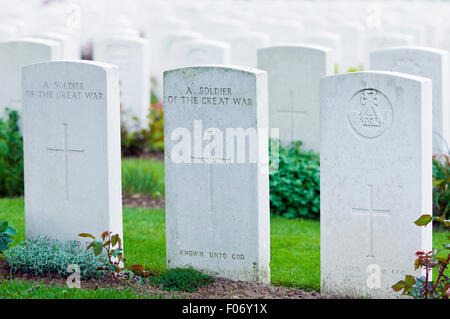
(423, 287)
(112, 245)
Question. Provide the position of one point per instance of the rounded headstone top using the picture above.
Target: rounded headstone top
(218, 67)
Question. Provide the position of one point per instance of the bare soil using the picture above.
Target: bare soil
(154, 155)
(144, 201)
(219, 288)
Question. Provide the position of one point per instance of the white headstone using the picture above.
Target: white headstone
(281, 32)
(199, 52)
(417, 31)
(7, 33)
(68, 46)
(325, 39)
(244, 47)
(375, 180)
(217, 196)
(428, 63)
(381, 40)
(165, 46)
(131, 56)
(294, 73)
(15, 54)
(352, 35)
(71, 149)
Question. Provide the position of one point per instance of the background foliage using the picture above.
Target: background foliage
(295, 187)
(142, 176)
(6, 235)
(150, 139)
(441, 186)
(11, 156)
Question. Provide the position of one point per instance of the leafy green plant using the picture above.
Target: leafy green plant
(112, 244)
(181, 279)
(423, 287)
(6, 233)
(355, 69)
(156, 117)
(11, 156)
(44, 256)
(143, 176)
(441, 186)
(147, 139)
(295, 186)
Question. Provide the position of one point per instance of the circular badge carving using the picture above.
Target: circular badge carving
(369, 113)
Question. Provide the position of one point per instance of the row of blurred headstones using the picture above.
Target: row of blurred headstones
(144, 38)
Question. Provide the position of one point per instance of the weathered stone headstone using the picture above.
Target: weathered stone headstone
(417, 31)
(15, 54)
(7, 32)
(217, 196)
(294, 76)
(375, 180)
(429, 63)
(199, 52)
(71, 129)
(328, 40)
(352, 35)
(67, 43)
(131, 56)
(281, 32)
(381, 40)
(244, 47)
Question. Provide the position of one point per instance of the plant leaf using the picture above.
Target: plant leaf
(409, 280)
(86, 235)
(399, 286)
(98, 248)
(423, 220)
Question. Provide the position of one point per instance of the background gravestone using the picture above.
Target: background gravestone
(199, 52)
(375, 180)
(131, 55)
(15, 54)
(429, 63)
(294, 73)
(71, 149)
(217, 203)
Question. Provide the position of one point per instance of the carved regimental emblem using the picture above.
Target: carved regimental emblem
(369, 113)
(370, 116)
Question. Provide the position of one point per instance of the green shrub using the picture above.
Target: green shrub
(295, 187)
(11, 156)
(6, 233)
(147, 139)
(355, 69)
(441, 186)
(142, 176)
(181, 279)
(43, 256)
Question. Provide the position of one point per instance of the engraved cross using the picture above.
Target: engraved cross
(372, 212)
(66, 151)
(210, 161)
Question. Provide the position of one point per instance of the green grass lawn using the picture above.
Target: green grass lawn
(17, 289)
(143, 176)
(295, 244)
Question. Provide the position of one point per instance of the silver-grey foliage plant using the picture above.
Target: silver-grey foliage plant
(44, 256)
